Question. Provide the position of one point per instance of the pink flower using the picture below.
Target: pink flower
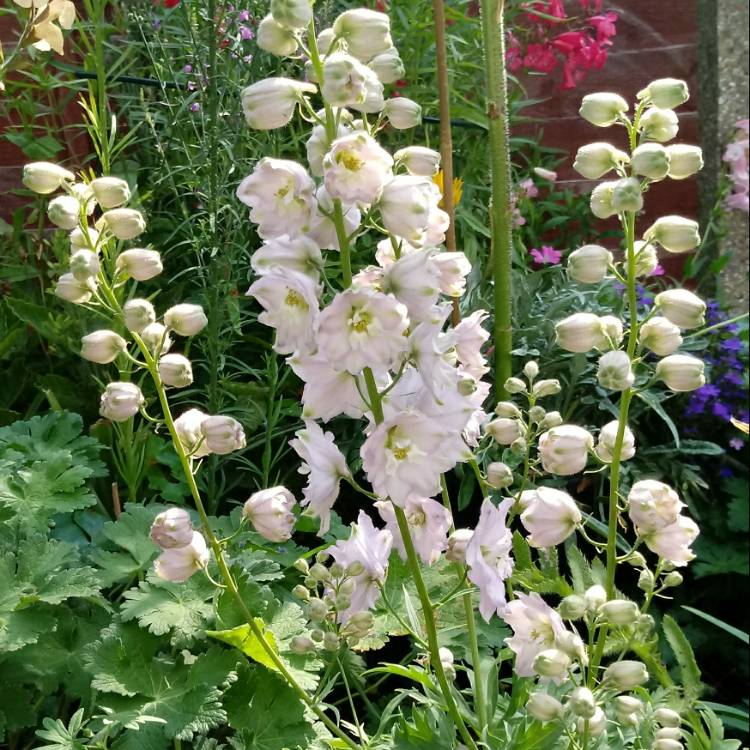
(528, 188)
(605, 27)
(547, 256)
(540, 57)
(658, 271)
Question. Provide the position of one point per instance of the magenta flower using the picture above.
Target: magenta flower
(547, 256)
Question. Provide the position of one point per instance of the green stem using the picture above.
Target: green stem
(493, 38)
(716, 326)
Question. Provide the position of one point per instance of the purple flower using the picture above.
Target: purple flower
(244, 15)
(726, 472)
(195, 107)
(737, 444)
(731, 345)
(722, 411)
(547, 256)
(188, 69)
(246, 33)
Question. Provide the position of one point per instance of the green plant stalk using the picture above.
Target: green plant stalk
(213, 542)
(493, 41)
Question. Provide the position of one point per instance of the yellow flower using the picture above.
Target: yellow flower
(458, 185)
(741, 426)
(58, 15)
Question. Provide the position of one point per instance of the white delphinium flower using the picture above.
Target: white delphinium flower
(651, 160)
(370, 548)
(468, 339)
(504, 430)
(177, 564)
(300, 254)
(44, 178)
(666, 93)
(328, 392)
(294, 14)
(605, 445)
(681, 307)
(290, 303)
(270, 103)
(684, 160)
(110, 192)
(84, 237)
(367, 33)
(362, 328)
(349, 83)
(402, 113)
(124, 223)
(406, 203)
(318, 144)
(102, 346)
(325, 467)
(418, 160)
(84, 264)
(564, 450)
(646, 258)
(681, 372)
(427, 350)
(489, 558)
(185, 319)
(672, 542)
(279, 193)
(407, 453)
(579, 332)
(437, 223)
(454, 267)
(388, 66)
(356, 168)
(189, 429)
(172, 528)
(223, 434)
(175, 370)
(139, 263)
(675, 234)
(660, 335)
(270, 513)
(594, 160)
(156, 338)
(138, 314)
(653, 505)
(428, 521)
(322, 230)
(614, 372)
(589, 264)
(543, 707)
(64, 211)
(659, 124)
(536, 628)
(550, 516)
(385, 254)
(275, 38)
(120, 401)
(413, 280)
(601, 200)
(85, 197)
(603, 109)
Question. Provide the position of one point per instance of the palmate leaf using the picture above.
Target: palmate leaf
(266, 712)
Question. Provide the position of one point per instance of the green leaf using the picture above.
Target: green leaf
(683, 651)
(245, 640)
(521, 552)
(650, 398)
(266, 712)
(182, 609)
(736, 632)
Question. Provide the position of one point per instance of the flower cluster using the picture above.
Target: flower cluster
(736, 157)
(184, 550)
(47, 19)
(550, 36)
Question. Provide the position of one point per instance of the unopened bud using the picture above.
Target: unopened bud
(551, 663)
(651, 160)
(508, 410)
(499, 475)
(301, 592)
(619, 612)
(626, 675)
(140, 264)
(84, 264)
(331, 641)
(274, 38)
(572, 607)
(44, 178)
(515, 385)
(319, 572)
(124, 223)
(543, 707)
(518, 447)
(582, 703)
(589, 264)
(595, 596)
(337, 570)
(317, 635)
(551, 419)
(504, 430)
(317, 610)
(549, 387)
(646, 580)
(596, 724)
(457, 542)
(626, 705)
(668, 733)
(110, 192)
(531, 369)
(659, 124)
(355, 569)
(673, 579)
(684, 160)
(594, 160)
(666, 744)
(301, 644)
(666, 93)
(301, 565)
(666, 717)
(537, 414)
(138, 314)
(602, 109)
(402, 113)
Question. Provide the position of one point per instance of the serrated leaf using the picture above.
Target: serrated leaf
(245, 640)
(683, 651)
(521, 552)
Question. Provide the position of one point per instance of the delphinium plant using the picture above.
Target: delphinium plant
(582, 667)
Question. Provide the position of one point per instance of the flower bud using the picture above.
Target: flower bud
(64, 211)
(636, 559)
(223, 434)
(674, 233)
(175, 370)
(537, 414)
(626, 705)
(71, 289)
(515, 385)
(110, 192)
(317, 610)
(646, 259)
(595, 596)
(681, 372)
(83, 238)
(564, 449)
(156, 337)
(419, 161)
(551, 663)
(579, 332)
(185, 319)
(612, 332)
(666, 93)
(605, 446)
(549, 387)
(270, 513)
(668, 733)
(572, 644)
(504, 431)
(102, 346)
(301, 565)
(499, 475)
(594, 160)
(627, 195)
(681, 307)
(519, 447)
(120, 401)
(674, 578)
(602, 200)
(684, 160)
(138, 314)
(596, 724)
(84, 264)
(659, 124)
(572, 607)
(550, 516)
(614, 372)
(275, 38)
(124, 223)
(367, 33)
(531, 369)
(664, 743)
(402, 113)
(626, 675)
(172, 528)
(551, 419)
(270, 103)
(589, 264)
(331, 641)
(300, 592)
(388, 66)
(44, 177)
(582, 703)
(508, 410)
(646, 580)
(302, 644)
(446, 662)
(619, 612)
(292, 14)
(457, 542)
(651, 160)
(179, 563)
(660, 335)
(666, 717)
(602, 109)
(543, 707)
(355, 568)
(139, 263)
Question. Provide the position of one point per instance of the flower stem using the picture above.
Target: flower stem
(493, 39)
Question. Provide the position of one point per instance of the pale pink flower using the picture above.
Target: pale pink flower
(414, 281)
(653, 505)
(270, 513)
(673, 542)
(547, 256)
(356, 168)
(322, 230)
(468, 338)
(179, 563)
(172, 528)
(550, 516)
(488, 556)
